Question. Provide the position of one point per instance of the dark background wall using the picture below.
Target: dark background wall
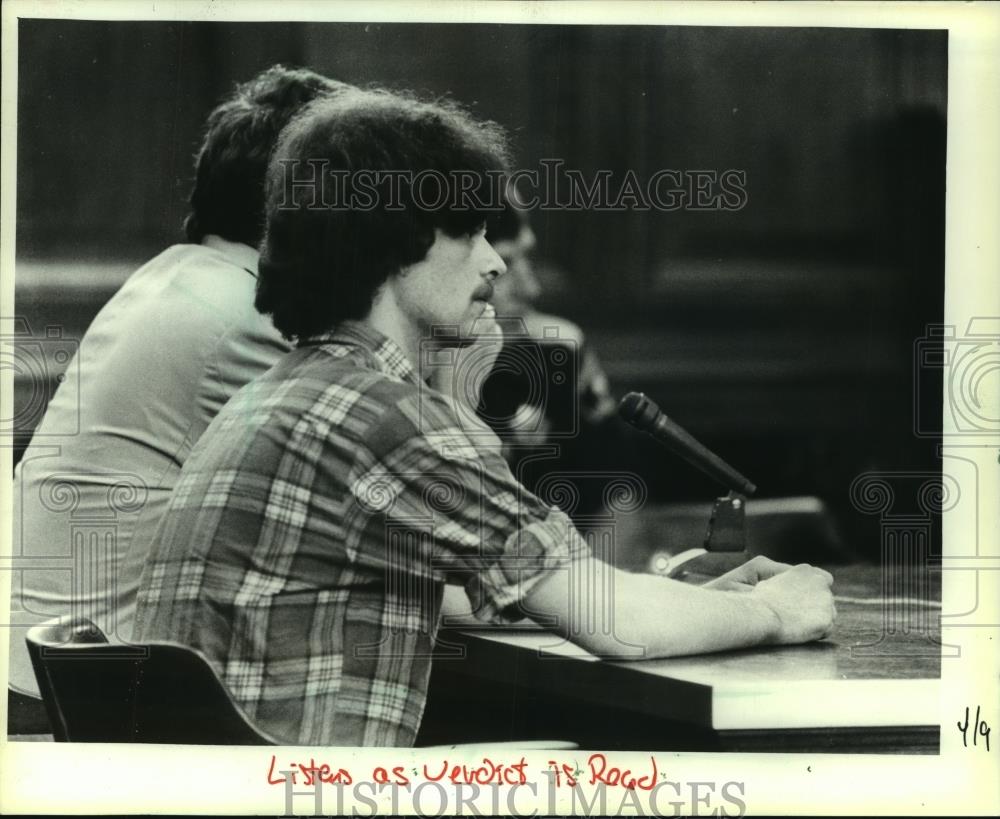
(781, 334)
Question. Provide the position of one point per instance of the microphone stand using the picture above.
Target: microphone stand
(726, 533)
(727, 524)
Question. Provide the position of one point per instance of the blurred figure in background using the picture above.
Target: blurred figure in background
(568, 423)
(155, 366)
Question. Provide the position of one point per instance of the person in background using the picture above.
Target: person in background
(158, 362)
(312, 531)
(550, 433)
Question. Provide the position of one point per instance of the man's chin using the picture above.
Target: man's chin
(443, 336)
(467, 332)
(485, 325)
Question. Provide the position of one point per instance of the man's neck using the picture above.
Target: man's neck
(389, 320)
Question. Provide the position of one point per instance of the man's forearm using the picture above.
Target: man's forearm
(649, 616)
(668, 618)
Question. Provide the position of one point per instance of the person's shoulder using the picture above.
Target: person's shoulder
(345, 381)
(420, 419)
(195, 271)
(207, 289)
(211, 273)
(168, 293)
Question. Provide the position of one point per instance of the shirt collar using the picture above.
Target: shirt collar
(243, 255)
(387, 354)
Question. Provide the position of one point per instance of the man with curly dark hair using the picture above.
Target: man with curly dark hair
(155, 366)
(313, 530)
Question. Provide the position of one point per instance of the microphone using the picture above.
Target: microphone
(645, 416)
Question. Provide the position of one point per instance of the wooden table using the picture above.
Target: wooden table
(871, 687)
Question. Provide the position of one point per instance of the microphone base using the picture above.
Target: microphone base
(695, 565)
(675, 563)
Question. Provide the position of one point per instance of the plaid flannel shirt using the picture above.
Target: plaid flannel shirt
(309, 537)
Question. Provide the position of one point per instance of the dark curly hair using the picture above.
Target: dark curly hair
(228, 194)
(333, 241)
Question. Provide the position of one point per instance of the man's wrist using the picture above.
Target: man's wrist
(763, 620)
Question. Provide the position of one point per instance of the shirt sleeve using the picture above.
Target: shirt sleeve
(453, 499)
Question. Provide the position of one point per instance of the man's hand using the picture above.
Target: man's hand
(801, 600)
(744, 578)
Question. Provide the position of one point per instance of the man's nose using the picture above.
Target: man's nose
(495, 266)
